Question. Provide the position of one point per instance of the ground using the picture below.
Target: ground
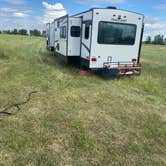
(79, 120)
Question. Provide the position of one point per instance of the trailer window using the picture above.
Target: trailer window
(116, 33)
(63, 32)
(75, 31)
(87, 27)
(58, 23)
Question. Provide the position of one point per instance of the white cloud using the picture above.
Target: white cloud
(100, 1)
(151, 20)
(5, 9)
(17, 2)
(19, 14)
(53, 11)
(21, 22)
(161, 7)
(14, 12)
(22, 17)
(154, 26)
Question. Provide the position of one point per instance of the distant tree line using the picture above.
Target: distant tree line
(158, 39)
(34, 32)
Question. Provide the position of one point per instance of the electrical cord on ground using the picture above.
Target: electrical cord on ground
(4, 111)
(17, 105)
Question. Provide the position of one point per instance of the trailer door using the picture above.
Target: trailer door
(74, 36)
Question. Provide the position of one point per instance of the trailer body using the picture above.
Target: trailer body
(101, 39)
(50, 36)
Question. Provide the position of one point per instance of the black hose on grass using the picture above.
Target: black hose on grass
(17, 105)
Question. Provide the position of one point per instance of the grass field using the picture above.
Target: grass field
(79, 120)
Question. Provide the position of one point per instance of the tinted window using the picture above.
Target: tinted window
(75, 31)
(87, 31)
(116, 33)
(63, 32)
(58, 24)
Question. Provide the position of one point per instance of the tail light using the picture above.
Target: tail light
(134, 60)
(94, 59)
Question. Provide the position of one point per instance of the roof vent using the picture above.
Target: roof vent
(111, 7)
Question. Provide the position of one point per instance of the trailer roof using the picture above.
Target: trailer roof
(92, 10)
(107, 9)
(60, 18)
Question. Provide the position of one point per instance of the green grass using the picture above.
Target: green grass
(79, 120)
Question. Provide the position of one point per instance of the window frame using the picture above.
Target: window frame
(72, 31)
(87, 26)
(118, 24)
(63, 32)
(58, 23)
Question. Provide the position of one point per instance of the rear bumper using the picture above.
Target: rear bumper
(123, 70)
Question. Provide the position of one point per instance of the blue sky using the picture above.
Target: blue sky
(34, 13)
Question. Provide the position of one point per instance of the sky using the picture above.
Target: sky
(31, 14)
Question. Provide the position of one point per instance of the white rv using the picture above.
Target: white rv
(101, 39)
(50, 35)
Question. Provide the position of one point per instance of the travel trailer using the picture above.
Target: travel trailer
(50, 36)
(101, 39)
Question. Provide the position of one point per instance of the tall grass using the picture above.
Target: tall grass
(77, 120)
